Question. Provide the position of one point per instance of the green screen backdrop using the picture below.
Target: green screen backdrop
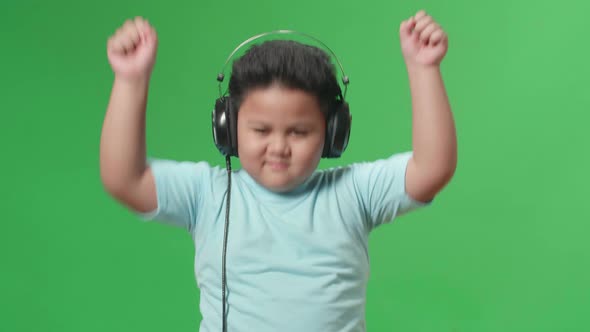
(503, 248)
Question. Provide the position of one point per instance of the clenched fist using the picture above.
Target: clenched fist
(132, 50)
(423, 41)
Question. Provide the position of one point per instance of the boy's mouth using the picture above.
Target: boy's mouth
(277, 165)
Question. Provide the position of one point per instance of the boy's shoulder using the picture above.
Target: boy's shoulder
(396, 160)
(181, 164)
(185, 170)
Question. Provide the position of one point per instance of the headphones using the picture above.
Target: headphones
(225, 114)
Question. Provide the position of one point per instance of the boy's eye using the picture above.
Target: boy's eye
(299, 132)
(260, 130)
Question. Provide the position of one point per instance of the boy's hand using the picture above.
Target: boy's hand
(423, 42)
(132, 50)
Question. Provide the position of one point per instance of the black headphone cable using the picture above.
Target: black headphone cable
(223, 276)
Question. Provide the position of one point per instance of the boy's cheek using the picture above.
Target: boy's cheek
(248, 145)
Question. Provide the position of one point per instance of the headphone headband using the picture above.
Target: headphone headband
(221, 76)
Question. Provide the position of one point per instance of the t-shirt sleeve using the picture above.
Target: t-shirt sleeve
(381, 187)
(179, 186)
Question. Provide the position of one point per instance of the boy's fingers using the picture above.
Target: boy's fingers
(114, 45)
(131, 34)
(126, 43)
(127, 37)
(134, 34)
(422, 23)
(407, 26)
(151, 31)
(427, 31)
(148, 30)
(420, 14)
(437, 37)
(142, 27)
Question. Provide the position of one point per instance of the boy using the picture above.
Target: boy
(297, 252)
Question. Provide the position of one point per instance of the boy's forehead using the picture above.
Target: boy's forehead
(265, 116)
(278, 89)
(280, 102)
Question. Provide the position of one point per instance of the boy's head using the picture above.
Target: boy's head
(292, 65)
(284, 91)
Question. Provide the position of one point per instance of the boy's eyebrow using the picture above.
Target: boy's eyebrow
(255, 121)
(297, 124)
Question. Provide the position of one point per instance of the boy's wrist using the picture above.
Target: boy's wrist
(132, 82)
(414, 69)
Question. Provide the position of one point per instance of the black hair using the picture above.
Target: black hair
(290, 64)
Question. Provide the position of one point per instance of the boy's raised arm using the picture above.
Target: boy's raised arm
(123, 168)
(424, 44)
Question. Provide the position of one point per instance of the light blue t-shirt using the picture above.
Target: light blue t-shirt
(296, 261)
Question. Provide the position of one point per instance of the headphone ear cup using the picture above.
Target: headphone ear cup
(224, 127)
(338, 132)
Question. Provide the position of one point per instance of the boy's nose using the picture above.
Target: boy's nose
(279, 146)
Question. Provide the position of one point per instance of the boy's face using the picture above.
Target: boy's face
(280, 136)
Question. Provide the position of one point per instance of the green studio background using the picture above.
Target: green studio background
(503, 248)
